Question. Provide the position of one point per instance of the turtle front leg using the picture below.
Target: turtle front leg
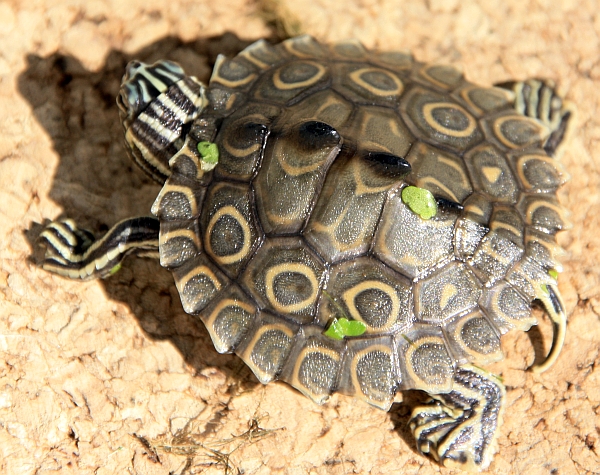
(75, 253)
(459, 429)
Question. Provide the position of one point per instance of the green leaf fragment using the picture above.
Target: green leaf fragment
(115, 269)
(209, 152)
(420, 201)
(342, 327)
(553, 273)
(334, 331)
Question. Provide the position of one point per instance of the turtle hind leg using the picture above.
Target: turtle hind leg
(459, 429)
(538, 99)
(75, 253)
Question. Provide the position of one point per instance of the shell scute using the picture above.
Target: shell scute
(286, 82)
(425, 362)
(267, 345)
(286, 278)
(229, 318)
(348, 209)
(449, 291)
(442, 173)
(370, 371)
(441, 76)
(364, 289)
(231, 233)
(292, 173)
(314, 364)
(473, 338)
(366, 84)
(410, 244)
(512, 131)
(241, 146)
(491, 174)
(436, 118)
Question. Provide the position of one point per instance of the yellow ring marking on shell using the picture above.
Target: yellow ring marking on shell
(279, 84)
(464, 94)
(373, 146)
(350, 294)
(292, 170)
(554, 249)
(331, 101)
(260, 374)
(247, 54)
(520, 324)
(295, 267)
(292, 42)
(357, 357)
(491, 174)
(495, 225)
(186, 233)
(239, 218)
(523, 159)
(334, 355)
(448, 292)
(499, 122)
(215, 313)
(330, 231)
(536, 204)
(478, 357)
(199, 271)
(452, 164)
(474, 209)
(233, 84)
(428, 115)
(433, 181)
(425, 72)
(184, 190)
(356, 76)
(420, 382)
(361, 188)
(489, 251)
(190, 153)
(243, 152)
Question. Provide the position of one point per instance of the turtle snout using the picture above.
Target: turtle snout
(132, 68)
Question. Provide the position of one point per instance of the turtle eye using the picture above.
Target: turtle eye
(388, 163)
(314, 135)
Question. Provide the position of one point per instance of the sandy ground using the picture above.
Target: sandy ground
(112, 377)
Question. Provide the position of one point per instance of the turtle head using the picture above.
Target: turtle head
(156, 103)
(144, 83)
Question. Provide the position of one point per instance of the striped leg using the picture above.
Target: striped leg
(459, 429)
(538, 99)
(75, 253)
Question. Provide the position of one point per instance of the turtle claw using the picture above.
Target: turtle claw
(459, 429)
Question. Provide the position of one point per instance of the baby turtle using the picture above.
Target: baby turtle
(349, 220)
